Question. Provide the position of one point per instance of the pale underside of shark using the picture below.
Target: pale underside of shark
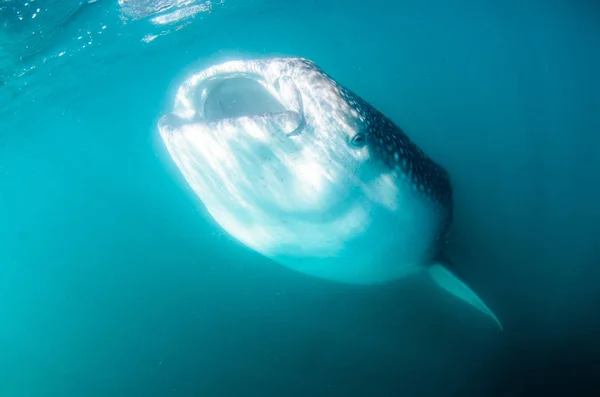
(302, 170)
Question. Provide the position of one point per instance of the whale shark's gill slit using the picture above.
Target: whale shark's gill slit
(239, 96)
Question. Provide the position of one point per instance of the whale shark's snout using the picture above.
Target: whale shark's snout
(302, 170)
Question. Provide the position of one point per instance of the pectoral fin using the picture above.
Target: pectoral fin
(449, 282)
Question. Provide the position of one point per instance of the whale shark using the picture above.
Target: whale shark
(302, 170)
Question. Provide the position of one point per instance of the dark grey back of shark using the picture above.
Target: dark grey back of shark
(393, 147)
(390, 145)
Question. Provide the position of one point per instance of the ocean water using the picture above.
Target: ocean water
(113, 282)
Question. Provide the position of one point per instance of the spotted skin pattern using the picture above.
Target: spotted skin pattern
(390, 145)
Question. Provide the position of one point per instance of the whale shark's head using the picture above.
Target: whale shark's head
(303, 171)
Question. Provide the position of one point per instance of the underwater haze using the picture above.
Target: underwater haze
(114, 281)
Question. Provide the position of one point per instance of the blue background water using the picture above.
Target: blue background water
(113, 283)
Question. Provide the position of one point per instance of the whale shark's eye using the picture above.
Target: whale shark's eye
(359, 140)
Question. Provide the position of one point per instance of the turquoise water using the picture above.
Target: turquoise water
(114, 283)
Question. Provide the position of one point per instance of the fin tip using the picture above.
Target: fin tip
(445, 279)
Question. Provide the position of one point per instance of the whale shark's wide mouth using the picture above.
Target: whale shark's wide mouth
(236, 97)
(237, 92)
